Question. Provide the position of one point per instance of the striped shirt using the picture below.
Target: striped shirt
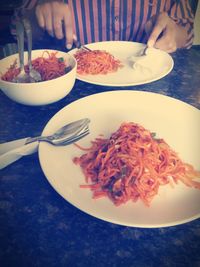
(101, 20)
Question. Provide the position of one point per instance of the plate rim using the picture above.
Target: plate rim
(91, 213)
(84, 79)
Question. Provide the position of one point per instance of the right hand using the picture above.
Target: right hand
(164, 33)
(55, 17)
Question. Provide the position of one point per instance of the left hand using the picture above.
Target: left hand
(165, 34)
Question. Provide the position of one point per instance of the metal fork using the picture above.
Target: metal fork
(65, 135)
(34, 74)
(57, 142)
(143, 52)
(79, 45)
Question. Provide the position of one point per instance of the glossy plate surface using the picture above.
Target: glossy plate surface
(173, 120)
(154, 67)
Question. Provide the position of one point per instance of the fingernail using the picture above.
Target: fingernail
(69, 46)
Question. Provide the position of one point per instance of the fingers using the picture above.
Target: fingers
(58, 27)
(164, 34)
(68, 28)
(44, 17)
(49, 23)
(159, 27)
(55, 17)
(166, 42)
(40, 17)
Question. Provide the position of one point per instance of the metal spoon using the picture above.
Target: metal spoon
(35, 76)
(65, 135)
(70, 133)
(22, 77)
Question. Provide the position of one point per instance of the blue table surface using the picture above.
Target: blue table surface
(39, 228)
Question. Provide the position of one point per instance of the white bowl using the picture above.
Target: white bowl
(41, 93)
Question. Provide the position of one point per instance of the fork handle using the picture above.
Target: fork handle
(28, 30)
(38, 138)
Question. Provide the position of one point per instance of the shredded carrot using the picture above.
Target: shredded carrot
(50, 67)
(96, 62)
(132, 165)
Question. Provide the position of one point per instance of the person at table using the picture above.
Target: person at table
(164, 24)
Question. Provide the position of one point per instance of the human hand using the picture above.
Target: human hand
(55, 17)
(165, 34)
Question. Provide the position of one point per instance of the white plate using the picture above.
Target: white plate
(175, 121)
(158, 64)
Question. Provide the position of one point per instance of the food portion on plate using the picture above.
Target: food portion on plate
(49, 65)
(174, 204)
(96, 62)
(132, 164)
(114, 58)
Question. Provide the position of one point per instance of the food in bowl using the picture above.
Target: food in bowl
(49, 67)
(44, 92)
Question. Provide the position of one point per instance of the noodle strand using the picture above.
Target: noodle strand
(132, 165)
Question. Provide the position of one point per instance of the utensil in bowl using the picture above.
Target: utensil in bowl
(22, 77)
(35, 76)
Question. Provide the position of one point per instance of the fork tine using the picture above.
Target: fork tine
(80, 46)
(86, 48)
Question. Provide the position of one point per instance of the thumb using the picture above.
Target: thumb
(159, 27)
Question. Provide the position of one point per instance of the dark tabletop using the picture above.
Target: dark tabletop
(39, 228)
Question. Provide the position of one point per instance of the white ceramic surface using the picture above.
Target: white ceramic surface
(171, 119)
(41, 93)
(156, 65)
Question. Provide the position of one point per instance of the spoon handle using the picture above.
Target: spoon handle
(38, 138)
(20, 42)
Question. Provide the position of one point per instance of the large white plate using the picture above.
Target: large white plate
(175, 121)
(158, 64)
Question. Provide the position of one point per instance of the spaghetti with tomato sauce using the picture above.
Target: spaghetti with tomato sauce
(49, 67)
(131, 165)
(96, 62)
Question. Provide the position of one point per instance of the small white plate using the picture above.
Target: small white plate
(173, 120)
(158, 64)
